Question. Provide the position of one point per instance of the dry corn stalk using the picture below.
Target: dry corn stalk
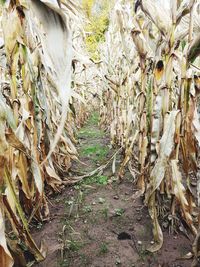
(37, 111)
(155, 90)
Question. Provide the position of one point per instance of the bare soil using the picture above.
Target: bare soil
(96, 223)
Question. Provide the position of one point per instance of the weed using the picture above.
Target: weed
(85, 260)
(104, 212)
(97, 152)
(102, 179)
(74, 204)
(101, 200)
(87, 209)
(39, 225)
(69, 202)
(119, 212)
(94, 119)
(87, 132)
(12, 236)
(103, 248)
(64, 263)
(99, 179)
(74, 245)
(77, 187)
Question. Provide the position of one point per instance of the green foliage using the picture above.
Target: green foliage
(99, 179)
(98, 15)
(74, 245)
(87, 7)
(95, 152)
(103, 248)
(87, 132)
(2, 2)
(87, 209)
(102, 179)
(119, 212)
(94, 119)
(104, 212)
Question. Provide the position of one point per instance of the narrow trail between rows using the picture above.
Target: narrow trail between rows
(96, 222)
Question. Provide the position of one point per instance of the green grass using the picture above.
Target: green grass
(94, 150)
(91, 130)
(103, 248)
(119, 212)
(86, 132)
(87, 209)
(74, 245)
(97, 152)
(98, 179)
(94, 119)
(102, 179)
(105, 212)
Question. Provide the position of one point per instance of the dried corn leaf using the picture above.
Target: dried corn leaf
(179, 192)
(51, 25)
(166, 146)
(158, 15)
(6, 259)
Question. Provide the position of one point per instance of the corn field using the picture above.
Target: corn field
(150, 104)
(40, 110)
(148, 83)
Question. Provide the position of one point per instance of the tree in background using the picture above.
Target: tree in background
(97, 13)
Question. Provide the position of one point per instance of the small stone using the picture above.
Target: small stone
(126, 193)
(152, 242)
(118, 262)
(116, 197)
(93, 203)
(139, 242)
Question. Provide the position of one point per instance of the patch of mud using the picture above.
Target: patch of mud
(94, 228)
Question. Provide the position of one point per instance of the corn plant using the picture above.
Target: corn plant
(150, 104)
(37, 117)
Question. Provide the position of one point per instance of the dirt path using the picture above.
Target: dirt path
(96, 224)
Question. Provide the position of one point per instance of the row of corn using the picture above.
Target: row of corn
(151, 83)
(42, 102)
